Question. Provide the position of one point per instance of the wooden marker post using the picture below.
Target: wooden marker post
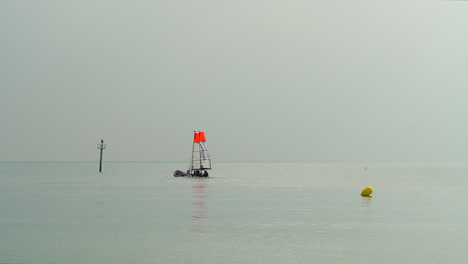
(101, 146)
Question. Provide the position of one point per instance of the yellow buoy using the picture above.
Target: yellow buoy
(367, 191)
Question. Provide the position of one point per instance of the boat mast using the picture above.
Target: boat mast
(200, 154)
(193, 148)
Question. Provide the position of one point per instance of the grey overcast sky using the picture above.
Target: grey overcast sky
(296, 80)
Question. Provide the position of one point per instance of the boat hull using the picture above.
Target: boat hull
(179, 173)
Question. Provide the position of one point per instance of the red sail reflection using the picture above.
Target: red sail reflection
(199, 201)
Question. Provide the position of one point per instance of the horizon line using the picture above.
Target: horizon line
(259, 161)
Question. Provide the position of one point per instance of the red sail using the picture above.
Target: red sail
(196, 138)
(202, 136)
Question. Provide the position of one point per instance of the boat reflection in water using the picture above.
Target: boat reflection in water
(199, 201)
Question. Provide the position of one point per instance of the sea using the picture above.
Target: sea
(245, 212)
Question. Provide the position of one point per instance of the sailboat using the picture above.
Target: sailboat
(200, 162)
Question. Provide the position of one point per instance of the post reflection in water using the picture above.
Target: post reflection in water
(367, 200)
(199, 202)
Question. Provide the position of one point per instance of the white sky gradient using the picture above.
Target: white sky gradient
(266, 80)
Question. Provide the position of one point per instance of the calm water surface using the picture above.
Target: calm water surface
(137, 212)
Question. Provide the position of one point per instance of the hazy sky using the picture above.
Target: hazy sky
(296, 80)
